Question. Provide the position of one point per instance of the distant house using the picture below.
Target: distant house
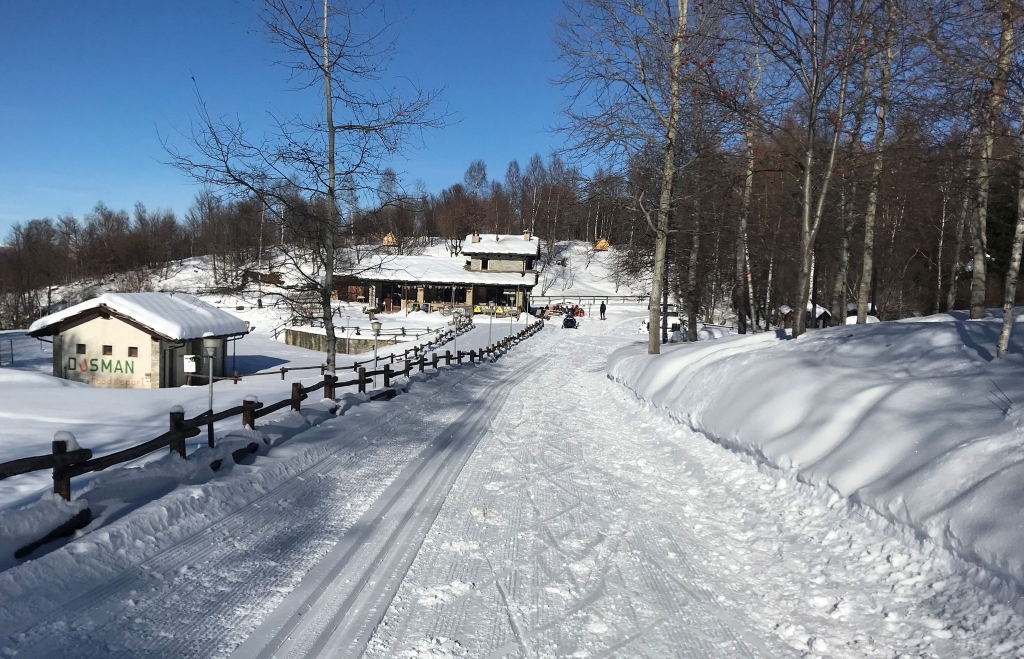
(138, 340)
(499, 269)
(602, 245)
(814, 311)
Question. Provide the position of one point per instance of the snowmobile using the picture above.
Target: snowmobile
(569, 322)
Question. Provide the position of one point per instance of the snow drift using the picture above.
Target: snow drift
(915, 419)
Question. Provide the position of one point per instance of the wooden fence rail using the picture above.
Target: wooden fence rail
(67, 464)
(442, 338)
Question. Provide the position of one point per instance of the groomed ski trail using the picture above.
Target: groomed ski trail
(338, 604)
(368, 496)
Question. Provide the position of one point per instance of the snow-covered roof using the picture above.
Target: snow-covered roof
(439, 270)
(173, 316)
(500, 243)
(819, 310)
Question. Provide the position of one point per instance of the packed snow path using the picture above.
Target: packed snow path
(528, 508)
(587, 526)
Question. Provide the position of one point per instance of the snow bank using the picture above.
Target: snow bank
(21, 527)
(916, 420)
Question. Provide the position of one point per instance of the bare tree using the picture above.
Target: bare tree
(886, 59)
(813, 45)
(297, 170)
(626, 64)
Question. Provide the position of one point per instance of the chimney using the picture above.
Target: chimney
(476, 237)
(526, 236)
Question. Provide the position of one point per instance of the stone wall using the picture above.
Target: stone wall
(346, 346)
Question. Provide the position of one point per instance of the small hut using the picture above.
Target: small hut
(602, 245)
(389, 241)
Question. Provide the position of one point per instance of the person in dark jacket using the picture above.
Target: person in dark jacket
(603, 309)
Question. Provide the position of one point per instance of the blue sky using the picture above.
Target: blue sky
(88, 88)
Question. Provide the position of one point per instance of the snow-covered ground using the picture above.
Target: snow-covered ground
(34, 406)
(589, 525)
(915, 420)
(527, 508)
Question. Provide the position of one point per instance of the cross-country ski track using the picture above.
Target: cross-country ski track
(524, 508)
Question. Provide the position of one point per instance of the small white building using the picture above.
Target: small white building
(138, 340)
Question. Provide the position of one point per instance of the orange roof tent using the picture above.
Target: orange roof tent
(602, 245)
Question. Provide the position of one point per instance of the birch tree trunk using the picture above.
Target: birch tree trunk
(742, 272)
(1010, 294)
(692, 298)
(958, 247)
(979, 219)
(942, 235)
(849, 201)
(667, 178)
(868, 261)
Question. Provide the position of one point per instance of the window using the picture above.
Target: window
(79, 348)
(133, 352)
(483, 264)
(108, 350)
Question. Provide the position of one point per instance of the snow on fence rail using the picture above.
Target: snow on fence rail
(67, 460)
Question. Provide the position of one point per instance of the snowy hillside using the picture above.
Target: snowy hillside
(914, 419)
(577, 270)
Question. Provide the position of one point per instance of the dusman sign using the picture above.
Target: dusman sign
(101, 365)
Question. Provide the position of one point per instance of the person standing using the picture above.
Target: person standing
(603, 309)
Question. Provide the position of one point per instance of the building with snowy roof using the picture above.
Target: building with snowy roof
(496, 268)
(138, 340)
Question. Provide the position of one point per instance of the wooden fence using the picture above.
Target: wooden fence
(443, 337)
(67, 464)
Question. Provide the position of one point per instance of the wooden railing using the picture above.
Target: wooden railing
(67, 464)
(443, 337)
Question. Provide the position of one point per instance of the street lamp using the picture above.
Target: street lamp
(210, 348)
(375, 326)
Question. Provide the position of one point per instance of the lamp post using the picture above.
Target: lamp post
(492, 308)
(375, 325)
(210, 348)
(456, 316)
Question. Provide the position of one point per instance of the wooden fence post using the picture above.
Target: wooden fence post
(283, 371)
(248, 412)
(387, 375)
(61, 483)
(296, 396)
(447, 357)
(362, 379)
(458, 358)
(177, 420)
(408, 367)
(434, 364)
(329, 381)
(423, 361)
